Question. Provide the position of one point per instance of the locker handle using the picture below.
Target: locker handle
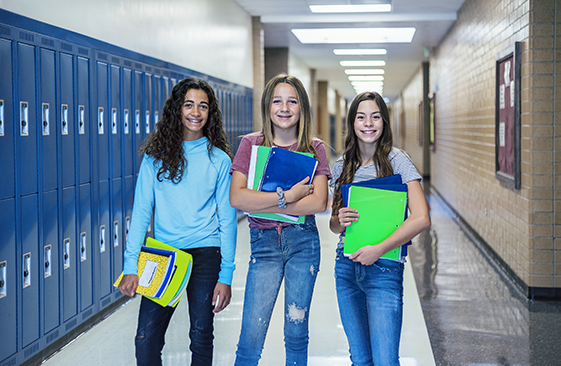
(1, 117)
(47, 261)
(114, 121)
(3, 274)
(26, 270)
(137, 121)
(66, 248)
(24, 114)
(64, 116)
(100, 129)
(83, 247)
(81, 119)
(46, 129)
(102, 238)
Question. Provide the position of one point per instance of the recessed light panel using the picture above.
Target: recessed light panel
(363, 63)
(359, 51)
(354, 35)
(366, 8)
(364, 71)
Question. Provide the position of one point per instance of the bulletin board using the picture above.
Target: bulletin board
(507, 116)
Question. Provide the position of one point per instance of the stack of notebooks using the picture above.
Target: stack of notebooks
(382, 205)
(163, 272)
(272, 167)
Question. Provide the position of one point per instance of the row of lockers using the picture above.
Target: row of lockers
(72, 118)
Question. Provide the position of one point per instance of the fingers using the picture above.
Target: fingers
(304, 181)
(347, 216)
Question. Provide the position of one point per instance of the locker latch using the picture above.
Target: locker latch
(1, 117)
(102, 239)
(100, 128)
(46, 127)
(3, 279)
(81, 120)
(48, 266)
(24, 115)
(83, 251)
(114, 121)
(64, 117)
(27, 270)
(126, 121)
(127, 227)
(137, 121)
(116, 234)
(66, 248)
(147, 121)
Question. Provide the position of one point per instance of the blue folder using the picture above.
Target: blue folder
(285, 168)
(392, 183)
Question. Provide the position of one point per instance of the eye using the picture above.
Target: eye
(276, 101)
(204, 106)
(294, 102)
(188, 105)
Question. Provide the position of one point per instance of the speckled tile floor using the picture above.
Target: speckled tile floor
(474, 315)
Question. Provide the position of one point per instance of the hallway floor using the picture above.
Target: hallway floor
(458, 310)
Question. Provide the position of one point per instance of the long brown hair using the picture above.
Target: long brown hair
(166, 142)
(305, 128)
(351, 157)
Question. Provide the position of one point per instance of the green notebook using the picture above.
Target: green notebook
(381, 213)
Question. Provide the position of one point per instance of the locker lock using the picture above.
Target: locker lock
(65, 256)
(25, 273)
(1, 283)
(23, 123)
(47, 264)
(45, 123)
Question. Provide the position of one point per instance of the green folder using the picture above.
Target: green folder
(260, 155)
(381, 213)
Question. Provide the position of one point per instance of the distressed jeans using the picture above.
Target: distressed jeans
(153, 319)
(294, 256)
(371, 306)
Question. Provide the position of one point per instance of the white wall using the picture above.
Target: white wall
(209, 36)
(300, 70)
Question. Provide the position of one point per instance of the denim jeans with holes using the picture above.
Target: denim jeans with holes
(295, 256)
(371, 306)
(153, 319)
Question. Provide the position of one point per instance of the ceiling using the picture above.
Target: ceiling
(431, 18)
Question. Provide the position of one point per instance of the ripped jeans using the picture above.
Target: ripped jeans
(153, 319)
(295, 256)
(371, 306)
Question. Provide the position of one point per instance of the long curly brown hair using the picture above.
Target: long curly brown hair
(165, 144)
(351, 157)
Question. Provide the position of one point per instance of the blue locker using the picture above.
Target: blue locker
(27, 126)
(83, 119)
(115, 124)
(117, 229)
(66, 118)
(85, 247)
(30, 269)
(128, 167)
(139, 131)
(148, 100)
(157, 99)
(7, 188)
(128, 199)
(69, 253)
(104, 245)
(165, 90)
(47, 120)
(8, 284)
(50, 296)
(102, 117)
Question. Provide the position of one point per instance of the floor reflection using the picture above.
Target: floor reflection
(473, 315)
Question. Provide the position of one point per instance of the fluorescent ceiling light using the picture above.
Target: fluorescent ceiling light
(367, 83)
(366, 8)
(359, 51)
(366, 78)
(363, 63)
(364, 72)
(355, 35)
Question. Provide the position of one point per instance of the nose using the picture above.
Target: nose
(196, 111)
(369, 121)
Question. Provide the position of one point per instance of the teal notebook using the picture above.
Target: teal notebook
(381, 213)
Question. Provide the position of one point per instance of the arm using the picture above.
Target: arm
(418, 221)
(298, 199)
(228, 234)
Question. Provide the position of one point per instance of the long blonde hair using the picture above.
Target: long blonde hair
(305, 128)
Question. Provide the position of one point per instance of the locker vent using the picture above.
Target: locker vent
(83, 51)
(105, 302)
(52, 336)
(148, 69)
(87, 314)
(71, 324)
(138, 66)
(11, 362)
(31, 350)
(66, 47)
(102, 56)
(127, 63)
(26, 36)
(48, 42)
(115, 60)
(4, 30)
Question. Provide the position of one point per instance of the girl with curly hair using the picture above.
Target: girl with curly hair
(370, 288)
(185, 178)
(279, 250)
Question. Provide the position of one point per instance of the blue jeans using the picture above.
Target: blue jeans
(153, 319)
(371, 306)
(295, 255)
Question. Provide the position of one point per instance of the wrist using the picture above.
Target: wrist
(281, 201)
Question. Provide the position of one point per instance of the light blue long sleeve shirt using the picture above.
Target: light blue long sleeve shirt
(194, 213)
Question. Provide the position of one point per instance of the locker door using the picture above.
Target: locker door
(69, 252)
(117, 231)
(66, 118)
(115, 124)
(47, 121)
(128, 205)
(104, 240)
(157, 91)
(29, 270)
(7, 188)
(27, 126)
(127, 130)
(166, 90)
(83, 118)
(148, 103)
(8, 284)
(139, 131)
(102, 117)
(50, 295)
(85, 247)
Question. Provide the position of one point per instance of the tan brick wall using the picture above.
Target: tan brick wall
(520, 225)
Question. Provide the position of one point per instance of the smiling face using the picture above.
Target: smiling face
(368, 124)
(194, 114)
(285, 107)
